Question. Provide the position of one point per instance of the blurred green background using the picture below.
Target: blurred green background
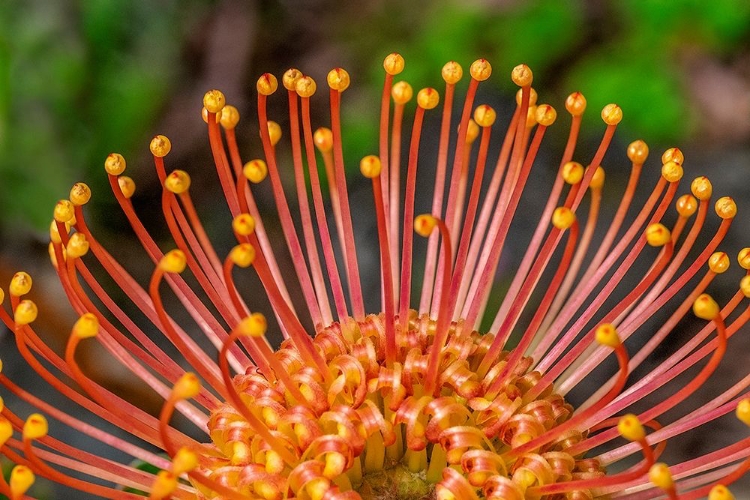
(80, 79)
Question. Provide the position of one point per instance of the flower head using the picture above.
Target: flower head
(411, 400)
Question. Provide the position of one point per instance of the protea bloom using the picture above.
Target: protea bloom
(409, 401)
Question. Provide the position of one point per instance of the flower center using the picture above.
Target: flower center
(375, 428)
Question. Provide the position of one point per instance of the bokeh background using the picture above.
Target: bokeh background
(80, 79)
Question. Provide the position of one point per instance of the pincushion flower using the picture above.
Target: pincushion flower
(411, 400)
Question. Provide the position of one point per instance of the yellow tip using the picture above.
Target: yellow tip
(572, 172)
(401, 92)
(671, 171)
(127, 186)
(424, 224)
(630, 428)
(575, 104)
(745, 286)
(20, 284)
(242, 255)
(686, 205)
(545, 115)
(185, 460)
(323, 138)
(35, 426)
(726, 208)
(522, 75)
(78, 246)
(214, 101)
(606, 335)
(472, 131)
(484, 115)
(80, 194)
(452, 72)
(173, 261)
(266, 84)
(21, 479)
(705, 307)
(244, 224)
(597, 180)
(480, 70)
(305, 86)
(160, 146)
(86, 326)
(428, 98)
(658, 235)
(638, 152)
(6, 430)
(701, 188)
(64, 211)
(338, 79)
(673, 154)
(163, 486)
(254, 325)
(563, 218)
(393, 64)
(255, 171)
(204, 115)
(274, 132)
(718, 262)
(187, 386)
(743, 411)
(720, 492)
(612, 114)
(230, 117)
(114, 164)
(370, 166)
(743, 257)
(25, 312)
(660, 476)
(177, 182)
(290, 77)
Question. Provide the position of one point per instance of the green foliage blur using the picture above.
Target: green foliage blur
(79, 79)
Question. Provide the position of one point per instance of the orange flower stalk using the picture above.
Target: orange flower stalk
(409, 401)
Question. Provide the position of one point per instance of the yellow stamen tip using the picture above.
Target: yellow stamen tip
(266, 84)
(686, 205)
(572, 172)
(522, 75)
(163, 486)
(673, 154)
(472, 131)
(255, 171)
(726, 208)
(718, 262)
(484, 115)
(177, 182)
(274, 132)
(720, 492)
(160, 146)
(187, 386)
(290, 77)
(672, 171)
(533, 96)
(575, 104)
(127, 186)
(701, 188)
(638, 152)
(612, 114)
(338, 79)
(254, 325)
(743, 411)
(428, 98)
(230, 117)
(21, 479)
(323, 139)
(244, 224)
(563, 218)
(86, 326)
(370, 166)
(305, 86)
(20, 284)
(630, 428)
(242, 255)
(214, 101)
(480, 70)
(185, 460)
(745, 286)
(597, 180)
(657, 235)
(6, 430)
(545, 115)
(424, 224)
(173, 261)
(114, 164)
(606, 335)
(452, 72)
(743, 257)
(64, 211)
(25, 312)
(660, 476)
(401, 92)
(393, 64)
(80, 194)
(204, 115)
(78, 245)
(705, 307)
(54, 232)
(35, 426)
